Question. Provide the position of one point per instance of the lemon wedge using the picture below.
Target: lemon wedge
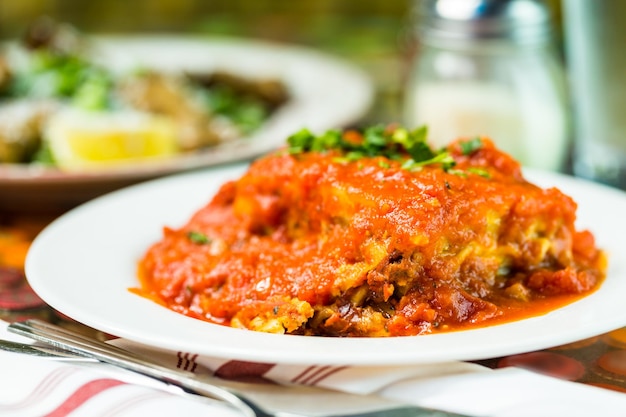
(83, 140)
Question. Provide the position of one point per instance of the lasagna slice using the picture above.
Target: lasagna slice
(375, 234)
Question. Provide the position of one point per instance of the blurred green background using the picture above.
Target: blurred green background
(373, 34)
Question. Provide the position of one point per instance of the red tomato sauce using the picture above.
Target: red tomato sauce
(313, 244)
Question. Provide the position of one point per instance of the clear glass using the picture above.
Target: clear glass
(515, 95)
(595, 34)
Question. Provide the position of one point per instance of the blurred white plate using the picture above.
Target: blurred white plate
(84, 263)
(326, 92)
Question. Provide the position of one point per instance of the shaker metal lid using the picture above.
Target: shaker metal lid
(520, 21)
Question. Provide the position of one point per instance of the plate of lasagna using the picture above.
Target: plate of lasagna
(83, 115)
(345, 247)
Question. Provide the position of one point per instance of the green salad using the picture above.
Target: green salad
(53, 74)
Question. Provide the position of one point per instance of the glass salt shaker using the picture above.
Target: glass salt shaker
(489, 68)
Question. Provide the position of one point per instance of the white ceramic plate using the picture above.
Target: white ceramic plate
(84, 263)
(326, 92)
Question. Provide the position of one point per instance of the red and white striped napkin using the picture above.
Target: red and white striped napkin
(32, 387)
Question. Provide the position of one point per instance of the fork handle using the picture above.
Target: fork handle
(65, 339)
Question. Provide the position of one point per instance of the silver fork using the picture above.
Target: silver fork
(231, 393)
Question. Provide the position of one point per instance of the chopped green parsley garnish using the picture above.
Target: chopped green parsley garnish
(401, 144)
(470, 146)
(443, 158)
(198, 237)
(479, 171)
(471, 170)
(407, 146)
